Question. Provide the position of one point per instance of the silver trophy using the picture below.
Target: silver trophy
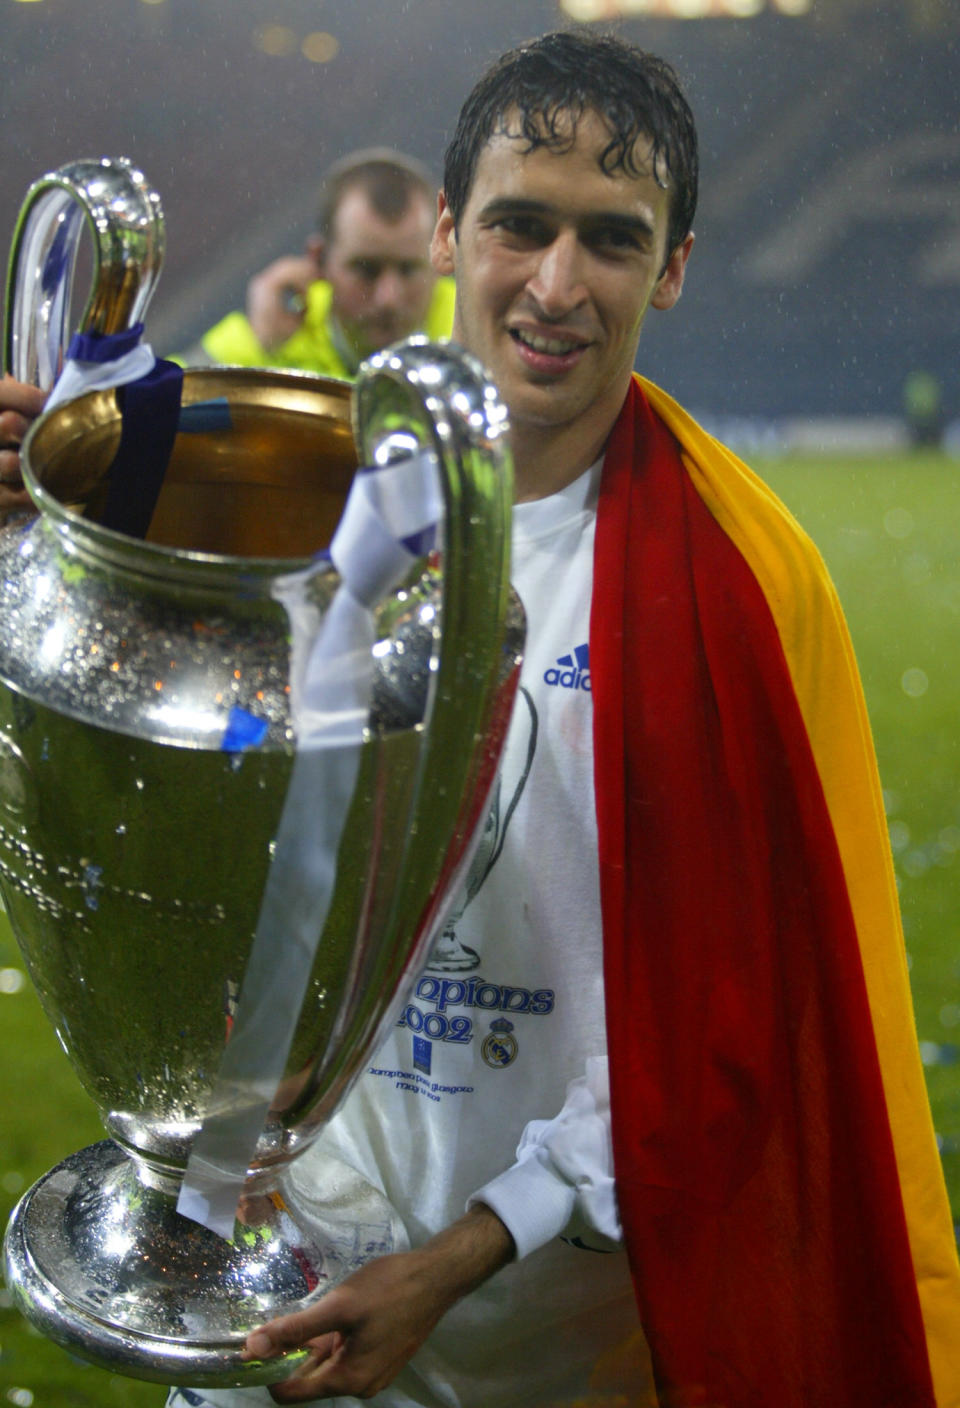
(138, 849)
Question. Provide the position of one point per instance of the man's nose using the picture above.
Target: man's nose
(557, 282)
(390, 288)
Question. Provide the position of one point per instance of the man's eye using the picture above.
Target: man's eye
(367, 270)
(615, 238)
(522, 227)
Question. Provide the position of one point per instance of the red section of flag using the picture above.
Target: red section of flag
(755, 1169)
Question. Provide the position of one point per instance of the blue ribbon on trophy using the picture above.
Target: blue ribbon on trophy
(389, 522)
(148, 393)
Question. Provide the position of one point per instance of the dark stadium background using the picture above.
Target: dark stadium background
(828, 258)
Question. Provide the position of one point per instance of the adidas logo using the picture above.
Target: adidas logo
(571, 671)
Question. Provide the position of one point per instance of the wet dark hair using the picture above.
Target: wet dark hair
(542, 89)
(390, 180)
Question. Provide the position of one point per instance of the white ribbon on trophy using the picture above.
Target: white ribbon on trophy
(389, 521)
(97, 361)
(148, 393)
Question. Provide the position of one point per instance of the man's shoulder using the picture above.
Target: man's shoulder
(233, 342)
(779, 550)
(319, 297)
(311, 348)
(439, 322)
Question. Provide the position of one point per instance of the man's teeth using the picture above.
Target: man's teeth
(554, 345)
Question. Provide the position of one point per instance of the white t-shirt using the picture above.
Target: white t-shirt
(503, 1031)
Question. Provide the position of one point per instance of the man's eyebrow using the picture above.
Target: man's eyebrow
(515, 205)
(390, 259)
(615, 219)
(619, 220)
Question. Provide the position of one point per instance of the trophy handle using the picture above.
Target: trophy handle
(123, 214)
(425, 395)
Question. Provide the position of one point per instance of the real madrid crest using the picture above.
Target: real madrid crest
(499, 1047)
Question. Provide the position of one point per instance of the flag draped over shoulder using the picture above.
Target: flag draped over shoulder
(778, 1179)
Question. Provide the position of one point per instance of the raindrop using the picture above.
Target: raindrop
(12, 980)
(950, 1014)
(914, 682)
(898, 522)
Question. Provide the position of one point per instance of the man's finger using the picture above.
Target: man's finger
(292, 1331)
(18, 396)
(12, 499)
(13, 427)
(10, 475)
(309, 1381)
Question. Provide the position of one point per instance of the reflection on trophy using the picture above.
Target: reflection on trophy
(183, 830)
(449, 953)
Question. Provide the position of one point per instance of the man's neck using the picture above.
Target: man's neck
(546, 459)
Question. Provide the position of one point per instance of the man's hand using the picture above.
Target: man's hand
(363, 1331)
(19, 405)
(276, 299)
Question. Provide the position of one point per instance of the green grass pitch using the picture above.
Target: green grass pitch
(889, 528)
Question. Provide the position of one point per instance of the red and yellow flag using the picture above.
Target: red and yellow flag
(779, 1183)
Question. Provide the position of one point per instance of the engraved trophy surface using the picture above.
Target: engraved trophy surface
(137, 841)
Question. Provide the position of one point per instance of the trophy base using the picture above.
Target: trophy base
(102, 1263)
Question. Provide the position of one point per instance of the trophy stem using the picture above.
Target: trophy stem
(99, 1259)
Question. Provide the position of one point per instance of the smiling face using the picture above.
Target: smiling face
(556, 264)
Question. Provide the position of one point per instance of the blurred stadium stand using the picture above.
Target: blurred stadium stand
(827, 265)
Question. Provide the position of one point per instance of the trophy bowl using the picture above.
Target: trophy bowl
(138, 835)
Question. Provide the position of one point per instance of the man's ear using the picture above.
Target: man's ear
(316, 248)
(443, 246)
(670, 285)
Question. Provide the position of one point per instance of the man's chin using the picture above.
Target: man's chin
(376, 341)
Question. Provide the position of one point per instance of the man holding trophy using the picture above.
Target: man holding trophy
(669, 1067)
(694, 885)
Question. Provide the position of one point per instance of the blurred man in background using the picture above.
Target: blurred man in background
(365, 279)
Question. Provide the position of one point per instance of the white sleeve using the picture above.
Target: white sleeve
(562, 1182)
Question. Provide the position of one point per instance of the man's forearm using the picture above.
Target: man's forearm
(469, 1251)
